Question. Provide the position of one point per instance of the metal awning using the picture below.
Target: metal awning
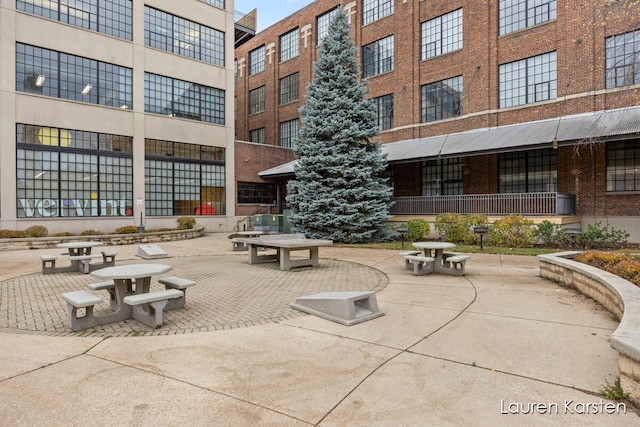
(282, 170)
(568, 130)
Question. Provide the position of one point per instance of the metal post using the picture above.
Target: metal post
(141, 226)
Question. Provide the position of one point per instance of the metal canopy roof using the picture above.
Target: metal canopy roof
(567, 130)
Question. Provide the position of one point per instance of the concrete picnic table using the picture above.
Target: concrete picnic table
(128, 279)
(284, 244)
(79, 248)
(435, 250)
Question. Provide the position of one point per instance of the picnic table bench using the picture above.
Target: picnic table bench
(79, 255)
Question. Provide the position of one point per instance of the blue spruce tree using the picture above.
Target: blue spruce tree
(339, 192)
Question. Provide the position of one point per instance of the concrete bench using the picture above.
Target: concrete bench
(407, 263)
(237, 245)
(110, 287)
(81, 299)
(48, 263)
(148, 307)
(109, 258)
(173, 282)
(83, 262)
(421, 264)
(457, 264)
(446, 254)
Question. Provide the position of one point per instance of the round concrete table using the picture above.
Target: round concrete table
(435, 250)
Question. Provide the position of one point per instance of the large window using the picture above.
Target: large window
(441, 100)
(384, 111)
(184, 179)
(372, 10)
(377, 57)
(72, 173)
(257, 135)
(322, 24)
(623, 166)
(256, 100)
(50, 73)
(289, 133)
(111, 17)
(289, 45)
(623, 60)
(256, 60)
(518, 14)
(441, 35)
(442, 177)
(187, 38)
(255, 193)
(178, 98)
(533, 171)
(289, 89)
(529, 80)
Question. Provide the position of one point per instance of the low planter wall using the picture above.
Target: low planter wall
(617, 295)
(107, 239)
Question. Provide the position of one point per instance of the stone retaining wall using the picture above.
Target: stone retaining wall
(619, 296)
(107, 239)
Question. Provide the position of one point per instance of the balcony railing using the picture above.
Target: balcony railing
(488, 204)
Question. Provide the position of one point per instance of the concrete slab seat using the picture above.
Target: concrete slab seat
(110, 287)
(421, 264)
(407, 263)
(109, 258)
(81, 299)
(173, 282)
(148, 307)
(48, 263)
(456, 264)
(84, 262)
(237, 245)
(447, 254)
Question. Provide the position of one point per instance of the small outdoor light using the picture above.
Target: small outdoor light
(481, 231)
(402, 230)
(554, 143)
(141, 226)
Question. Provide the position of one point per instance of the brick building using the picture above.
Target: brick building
(488, 106)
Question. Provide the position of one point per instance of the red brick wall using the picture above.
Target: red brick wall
(578, 36)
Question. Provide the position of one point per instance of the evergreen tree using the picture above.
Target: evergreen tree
(339, 192)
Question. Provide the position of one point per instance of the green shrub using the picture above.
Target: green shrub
(458, 228)
(550, 234)
(91, 233)
(512, 231)
(127, 229)
(418, 229)
(450, 225)
(62, 234)
(470, 221)
(597, 236)
(186, 223)
(36, 231)
(11, 234)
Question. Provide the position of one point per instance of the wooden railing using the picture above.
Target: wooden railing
(488, 204)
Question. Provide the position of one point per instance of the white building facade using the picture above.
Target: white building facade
(115, 112)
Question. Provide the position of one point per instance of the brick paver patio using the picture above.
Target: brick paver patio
(229, 294)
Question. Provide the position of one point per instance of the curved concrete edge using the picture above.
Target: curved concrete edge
(617, 295)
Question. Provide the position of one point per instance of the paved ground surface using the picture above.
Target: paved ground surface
(500, 346)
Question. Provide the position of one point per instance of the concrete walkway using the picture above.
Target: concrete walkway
(485, 349)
